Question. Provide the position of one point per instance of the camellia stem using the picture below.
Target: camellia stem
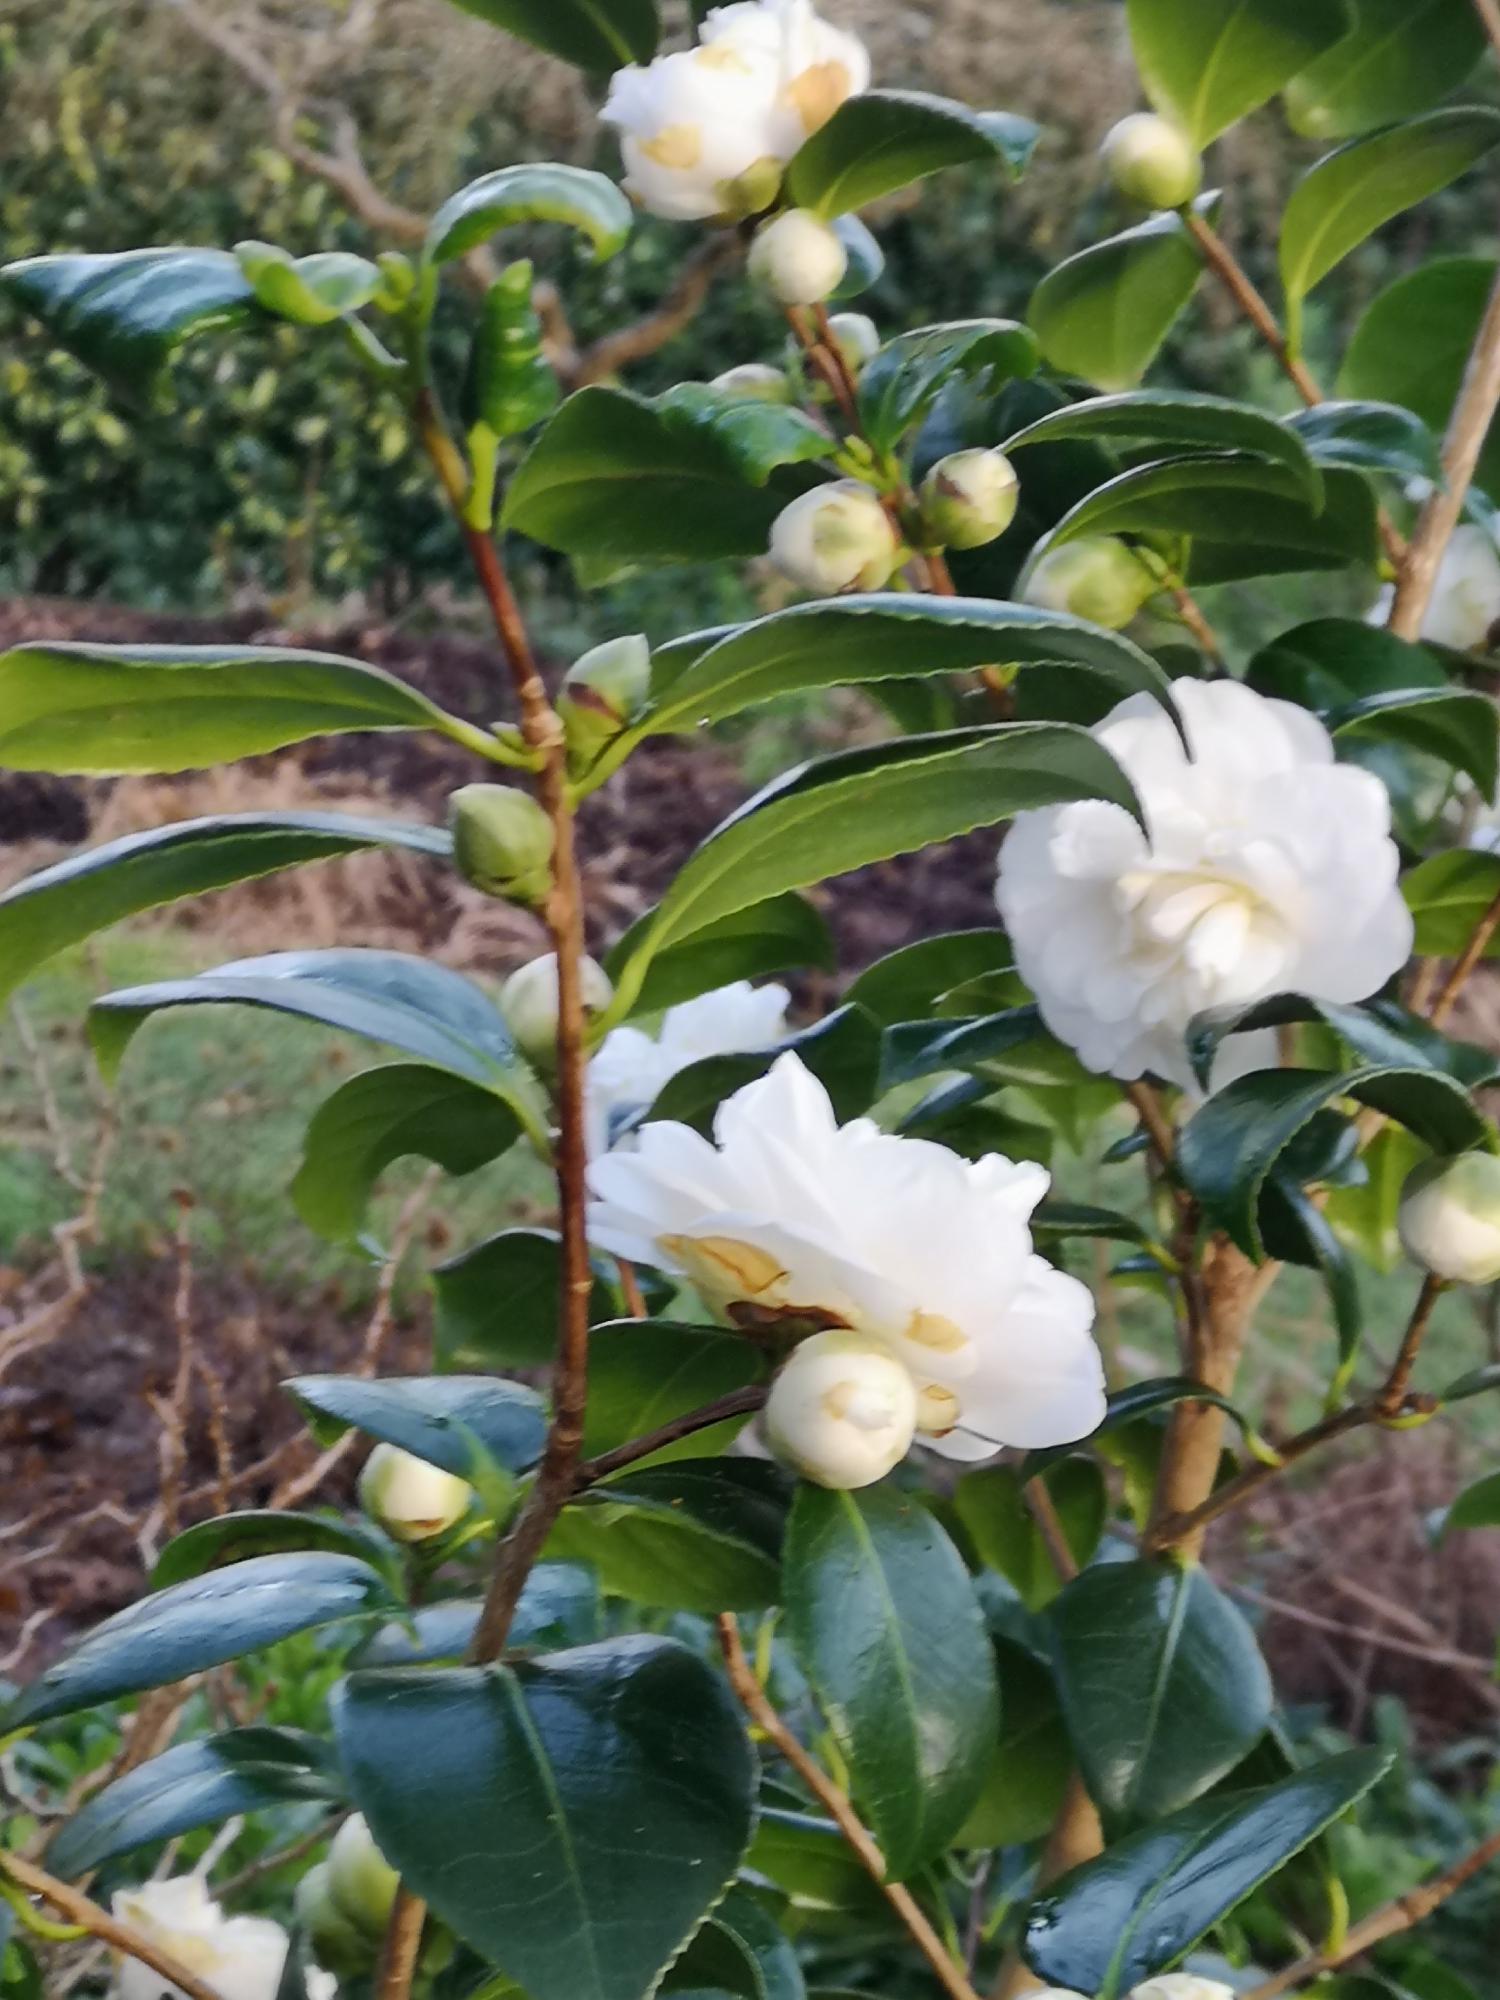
(737, 1403)
(402, 1946)
(762, 1712)
(78, 1909)
(1464, 964)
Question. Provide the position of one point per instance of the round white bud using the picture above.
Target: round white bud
(1152, 161)
(528, 1000)
(754, 382)
(361, 1882)
(837, 537)
(1096, 578)
(843, 1410)
(1180, 1986)
(798, 258)
(411, 1499)
(969, 498)
(1449, 1219)
(857, 338)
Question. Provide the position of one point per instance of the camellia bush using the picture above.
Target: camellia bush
(737, 1660)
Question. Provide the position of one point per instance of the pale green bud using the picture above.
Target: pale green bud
(310, 291)
(754, 382)
(361, 1882)
(603, 691)
(857, 339)
(969, 498)
(843, 1411)
(836, 538)
(528, 1000)
(1096, 578)
(398, 280)
(753, 191)
(1152, 161)
(502, 842)
(337, 1944)
(1449, 1219)
(411, 1499)
(797, 258)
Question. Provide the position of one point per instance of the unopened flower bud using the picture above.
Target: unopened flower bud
(798, 258)
(837, 537)
(310, 291)
(843, 1411)
(857, 339)
(338, 1945)
(1180, 1986)
(969, 498)
(1096, 578)
(398, 280)
(1449, 1219)
(528, 1000)
(1152, 161)
(361, 1882)
(411, 1499)
(603, 691)
(754, 382)
(502, 842)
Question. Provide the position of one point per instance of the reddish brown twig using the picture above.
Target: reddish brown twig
(78, 1909)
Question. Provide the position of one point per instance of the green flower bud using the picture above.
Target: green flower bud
(1449, 1219)
(836, 538)
(797, 258)
(857, 339)
(398, 280)
(310, 291)
(510, 385)
(754, 382)
(1152, 161)
(528, 1000)
(411, 1499)
(603, 691)
(337, 1944)
(362, 1884)
(968, 498)
(502, 842)
(1096, 578)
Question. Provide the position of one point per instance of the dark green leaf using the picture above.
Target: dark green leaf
(1176, 417)
(1054, 1221)
(1477, 1382)
(559, 1607)
(1209, 63)
(695, 1534)
(778, 935)
(914, 979)
(886, 139)
(1398, 58)
(901, 383)
(173, 1633)
(842, 1051)
(199, 1783)
(1033, 1760)
(497, 1304)
(1478, 1506)
(645, 1372)
(459, 1422)
(755, 438)
(573, 1818)
(535, 191)
(1128, 1406)
(1149, 1898)
(1330, 664)
(883, 1621)
(991, 1504)
(1460, 728)
(920, 1048)
(1104, 313)
(600, 35)
(1378, 1031)
(1448, 896)
(740, 1951)
(1369, 437)
(231, 1538)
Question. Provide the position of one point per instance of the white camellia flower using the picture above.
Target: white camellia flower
(1267, 868)
(1449, 1218)
(411, 1499)
(242, 1958)
(1465, 603)
(818, 65)
(630, 1067)
(788, 1214)
(1182, 1986)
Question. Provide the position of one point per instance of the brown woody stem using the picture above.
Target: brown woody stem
(1464, 964)
(78, 1909)
(737, 1403)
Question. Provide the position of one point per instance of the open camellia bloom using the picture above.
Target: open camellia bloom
(241, 1958)
(631, 1067)
(1266, 868)
(789, 1215)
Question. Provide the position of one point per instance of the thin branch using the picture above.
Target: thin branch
(1393, 1398)
(1458, 977)
(1401, 1915)
(676, 311)
(78, 1909)
(1469, 426)
(738, 1402)
(1154, 1122)
(1043, 1511)
(761, 1711)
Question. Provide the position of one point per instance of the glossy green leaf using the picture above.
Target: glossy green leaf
(1330, 664)
(497, 1303)
(884, 140)
(1176, 417)
(883, 1621)
(1448, 896)
(992, 1506)
(1457, 726)
(1229, 1148)
(599, 35)
(1033, 1760)
(755, 438)
(694, 1534)
(1162, 1683)
(460, 1422)
(1398, 58)
(1369, 437)
(920, 1048)
(230, 1538)
(1104, 313)
(901, 383)
(842, 1051)
(808, 1859)
(1209, 63)
(614, 477)
(1355, 191)
(865, 805)
(383, 1115)
(740, 1951)
(199, 1783)
(1413, 344)
(1113, 1922)
(72, 899)
(108, 710)
(124, 313)
(534, 191)
(643, 1373)
(1377, 1031)
(866, 258)
(781, 934)
(573, 1818)
(1478, 1506)
(1055, 1221)
(559, 1606)
(915, 979)
(1129, 1406)
(170, 1634)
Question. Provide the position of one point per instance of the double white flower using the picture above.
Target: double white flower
(706, 131)
(926, 1256)
(1266, 868)
(631, 1068)
(241, 1958)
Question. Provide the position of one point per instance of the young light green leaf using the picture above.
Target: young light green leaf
(1353, 192)
(483, 1783)
(534, 191)
(1105, 312)
(598, 35)
(883, 140)
(72, 899)
(1448, 895)
(1398, 58)
(1176, 417)
(1209, 63)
